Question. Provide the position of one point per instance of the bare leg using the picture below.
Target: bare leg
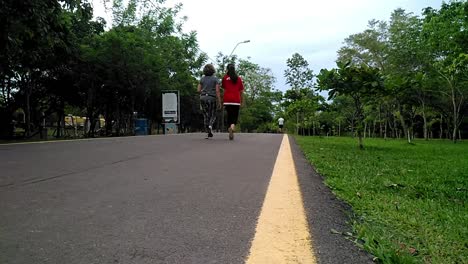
(231, 131)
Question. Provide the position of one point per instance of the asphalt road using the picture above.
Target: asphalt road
(152, 199)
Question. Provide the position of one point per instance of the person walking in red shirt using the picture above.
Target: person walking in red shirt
(233, 88)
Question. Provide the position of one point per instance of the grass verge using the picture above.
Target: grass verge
(410, 201)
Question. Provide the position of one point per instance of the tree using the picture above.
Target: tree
(144, 53)
(298, 75)
(345, 111)
(361, 83)
(368, 47)
(259, 96)
(449, 57)
(56, 58)
(408, 62)
(35, 36)
(300, 101)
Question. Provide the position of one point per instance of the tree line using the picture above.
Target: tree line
(402, 78)
(57, 60)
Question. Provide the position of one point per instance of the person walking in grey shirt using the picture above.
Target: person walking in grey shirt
(210, 97)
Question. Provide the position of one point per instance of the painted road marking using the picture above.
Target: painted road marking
(282, 234)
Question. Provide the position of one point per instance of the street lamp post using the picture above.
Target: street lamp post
(245, 41)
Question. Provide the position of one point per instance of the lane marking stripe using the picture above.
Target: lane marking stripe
(282, 233)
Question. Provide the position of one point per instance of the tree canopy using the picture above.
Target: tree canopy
(402, 78)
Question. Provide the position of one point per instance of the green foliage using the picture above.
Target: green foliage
(368, 47)
(422, 61)
(409, 200)
(298, 75)
(358, 82)
(57, 57)
(300, 103)
(40, 42)
(259, 96)
(363, 84)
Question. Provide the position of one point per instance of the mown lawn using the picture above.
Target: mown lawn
(410, 201)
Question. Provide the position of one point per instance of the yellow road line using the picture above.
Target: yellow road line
(282, 234)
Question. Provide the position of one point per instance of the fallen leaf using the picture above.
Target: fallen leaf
(334, 231)
(394, 185)
(413, 251)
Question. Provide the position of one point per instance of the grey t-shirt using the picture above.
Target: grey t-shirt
(208, 85)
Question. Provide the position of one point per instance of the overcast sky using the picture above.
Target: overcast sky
(315, 29)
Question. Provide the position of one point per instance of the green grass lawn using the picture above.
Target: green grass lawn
(410, 201)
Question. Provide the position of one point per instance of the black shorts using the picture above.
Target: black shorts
(280, 126)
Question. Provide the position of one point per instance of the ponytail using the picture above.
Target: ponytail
(231, 72)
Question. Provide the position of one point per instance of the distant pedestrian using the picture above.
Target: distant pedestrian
(210, 97)
(281, 124)
(233, 88)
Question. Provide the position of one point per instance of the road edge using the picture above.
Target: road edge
(325, 212)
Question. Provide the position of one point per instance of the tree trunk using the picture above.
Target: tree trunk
(456, 106)
(361, 144)
(365, 129)
(119, 122)
(374, 128)
(90, 110)
(455, 130)
(339, 128)
(441, 127)
(108, 122)
(132, 113)
(297, 123)
(388, 131)
(385, 132)
(60, 120)
(92, 125)
(426, 135)
(455, 117)
(405, 128)
(27, 110)
(7, 129)
(380, 122)
(425, 121)
(447, 132)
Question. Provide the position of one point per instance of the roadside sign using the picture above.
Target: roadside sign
(170, 106)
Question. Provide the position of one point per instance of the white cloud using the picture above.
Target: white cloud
(315, 29)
